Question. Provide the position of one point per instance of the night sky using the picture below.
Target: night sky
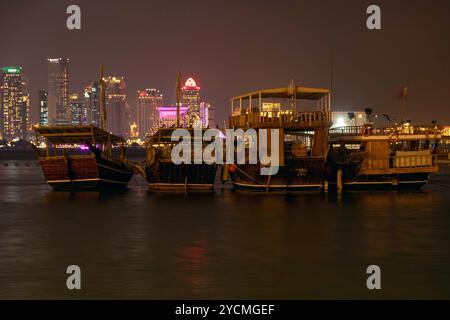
(231, 47)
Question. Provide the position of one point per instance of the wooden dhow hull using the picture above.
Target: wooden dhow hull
(167, 176)
(84, 173)
(382, 174)
(298, 175)
(397, 181)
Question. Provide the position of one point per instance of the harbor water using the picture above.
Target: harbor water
(221, 245)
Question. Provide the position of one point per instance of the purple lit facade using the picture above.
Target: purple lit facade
(168, 115)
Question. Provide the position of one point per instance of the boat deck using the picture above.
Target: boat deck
(288, 120)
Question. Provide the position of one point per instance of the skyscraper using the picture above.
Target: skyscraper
(15, 102)
(79, 116)
(43, 108)
(211, 117)
(190, 97)
(148, 102)
(91, 104)
(117, 115)
(134, 131)
(206, 115)
(58, 98)
(127, 121)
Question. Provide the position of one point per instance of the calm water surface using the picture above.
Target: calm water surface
(224, 245)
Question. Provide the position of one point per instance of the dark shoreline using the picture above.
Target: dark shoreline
(8, 154)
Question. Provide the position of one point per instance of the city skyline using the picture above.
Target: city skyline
(121, 118)
(58, 105)
(67, 107)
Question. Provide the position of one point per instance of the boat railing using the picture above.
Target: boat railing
(444, 146)
(414, 160)
(270, 119)
(374, 164)
(368, 130)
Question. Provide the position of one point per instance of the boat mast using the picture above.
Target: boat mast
(293, 94)
(101, 84)
(178, 98)
(331, 83)
(404, 98)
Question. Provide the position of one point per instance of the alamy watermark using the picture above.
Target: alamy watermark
(259, 145)
(73, 21)
(374, 280)
(374, 20)
(74, 280)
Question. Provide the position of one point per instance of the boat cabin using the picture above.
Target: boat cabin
(387, 150)
(304, 132)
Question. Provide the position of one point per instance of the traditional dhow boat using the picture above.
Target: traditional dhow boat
(163, 174)
(90, 165)
(365, 157)
(80, 158)
(303, 142)
(160, 171)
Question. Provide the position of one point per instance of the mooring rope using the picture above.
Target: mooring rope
(249, 176)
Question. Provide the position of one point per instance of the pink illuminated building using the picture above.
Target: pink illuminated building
(190, 98)
(168, 115)
(191, 95)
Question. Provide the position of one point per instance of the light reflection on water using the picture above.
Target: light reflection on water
(222, 245)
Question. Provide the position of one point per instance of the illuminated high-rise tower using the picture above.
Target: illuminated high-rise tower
(190, 98)
(91, 104)
(117, 114)
(59, 112)
(43, 108)
(148, 102)
(77, 109)
(15, 104)
(206, 115)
